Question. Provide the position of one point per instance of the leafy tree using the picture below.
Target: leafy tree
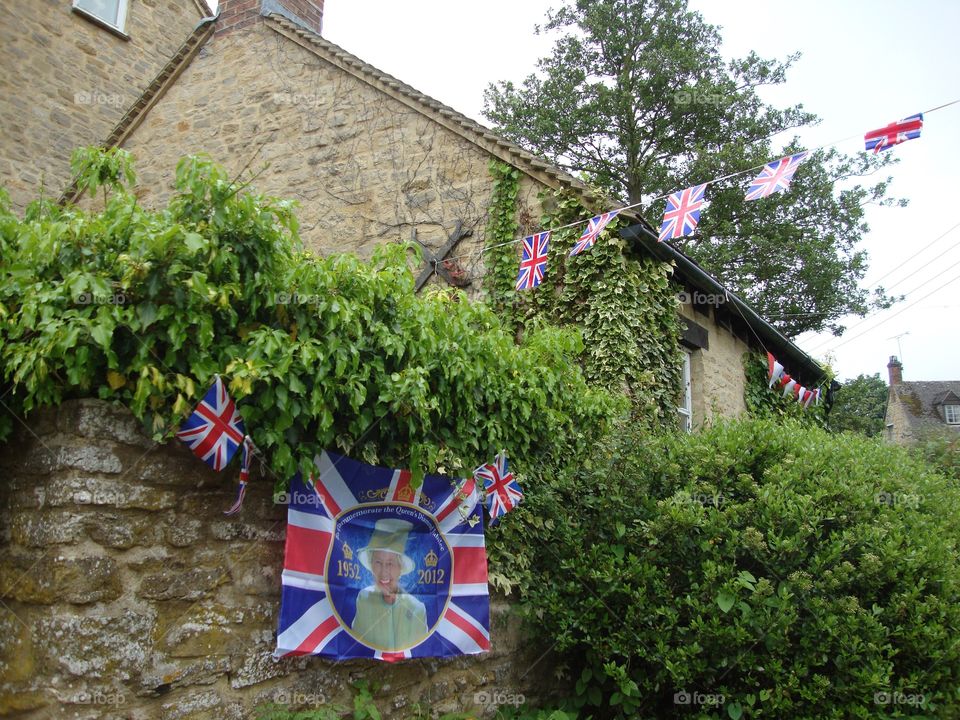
(637, 98)
(860, 405)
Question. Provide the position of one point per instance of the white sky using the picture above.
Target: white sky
(865, 64)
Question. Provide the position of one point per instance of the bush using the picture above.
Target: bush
(143, 307)
(756, 570)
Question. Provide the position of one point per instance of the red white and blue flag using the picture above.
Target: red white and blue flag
(893, 134)
(339, 522)
(214, 430)
(682, 213)
(503, 491)
(594, 228)
(775, 177)
(533, 264)
(248, 449)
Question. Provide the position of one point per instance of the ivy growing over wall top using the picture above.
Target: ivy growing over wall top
(143, 307)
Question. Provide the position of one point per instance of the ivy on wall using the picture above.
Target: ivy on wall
(623, 303)
(763, 401)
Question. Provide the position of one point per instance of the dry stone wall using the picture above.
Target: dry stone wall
(126, 593)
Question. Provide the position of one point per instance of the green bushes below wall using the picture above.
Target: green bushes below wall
(758, 569)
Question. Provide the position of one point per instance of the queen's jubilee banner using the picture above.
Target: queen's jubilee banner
(376, 568)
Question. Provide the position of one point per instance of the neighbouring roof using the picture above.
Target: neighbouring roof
(923, 400)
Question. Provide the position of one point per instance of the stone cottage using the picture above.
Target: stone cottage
(124, 591)
(370, 159)
(920, 409)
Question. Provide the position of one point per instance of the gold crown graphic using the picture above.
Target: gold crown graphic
(347, 552)
(405, 494)
(431, 559)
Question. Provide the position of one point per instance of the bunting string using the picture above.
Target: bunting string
(728, 176)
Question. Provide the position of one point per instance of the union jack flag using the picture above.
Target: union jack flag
(329, 523)
(594, 228)
(893, 134)
(775, 177)
(503, 491)
(214, 430)
(682, 213)
(533, 264)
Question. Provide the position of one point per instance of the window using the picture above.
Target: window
(952, 414)
(112, 13)
(686, 410)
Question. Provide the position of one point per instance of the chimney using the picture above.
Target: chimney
(236, 14)
(895, 369)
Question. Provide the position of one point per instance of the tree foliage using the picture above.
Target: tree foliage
(860, 405)
(143, 307)
(636, 97)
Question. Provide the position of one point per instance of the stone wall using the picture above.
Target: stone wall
(66, 82)
(365, 165)
(716, 373)
(127, 593)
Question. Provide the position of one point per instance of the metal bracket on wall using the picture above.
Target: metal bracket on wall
(436, 262)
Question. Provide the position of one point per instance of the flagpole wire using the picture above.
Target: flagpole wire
(479, 253)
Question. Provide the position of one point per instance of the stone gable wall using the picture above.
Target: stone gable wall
(365, 167)
(66, 82)
(126, 593)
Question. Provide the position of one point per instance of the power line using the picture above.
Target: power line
(661, 197)
(901, 310)
(915, 254)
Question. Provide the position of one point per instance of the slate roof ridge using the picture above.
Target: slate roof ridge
(467, 124)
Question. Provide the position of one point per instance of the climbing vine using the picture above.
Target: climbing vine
(622, 303)
(764, 402)
(500, 254)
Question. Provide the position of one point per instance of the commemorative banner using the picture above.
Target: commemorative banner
(375, 568)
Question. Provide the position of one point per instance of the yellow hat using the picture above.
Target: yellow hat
(389, 535)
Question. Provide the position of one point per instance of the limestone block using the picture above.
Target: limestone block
(176, 582)
(96, 420)
(112, 646)
(42, 528)
(165, 675)
(17, 661)
(44, 580)
(192, 706)
(84, 490)
(122, 530)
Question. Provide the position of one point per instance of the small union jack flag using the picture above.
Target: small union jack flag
(895, 133)
(533, 264)
(594, 228)
(503, 491)
(682, 213)
(214, 430)
(775, 177)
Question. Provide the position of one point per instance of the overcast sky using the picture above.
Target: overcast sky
(865, 64)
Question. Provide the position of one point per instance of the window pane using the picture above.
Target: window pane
(106, 10)
(952, 413)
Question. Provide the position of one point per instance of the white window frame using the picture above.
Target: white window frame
(119, 26)
(951, 413)
(686, 410)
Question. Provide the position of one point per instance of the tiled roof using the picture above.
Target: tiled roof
(922, 400)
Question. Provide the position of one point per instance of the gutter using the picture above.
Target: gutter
(795, 359)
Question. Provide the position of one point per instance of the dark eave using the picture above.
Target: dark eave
(797, 362)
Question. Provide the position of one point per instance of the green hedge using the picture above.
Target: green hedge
(757, 570)
(142, 307)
